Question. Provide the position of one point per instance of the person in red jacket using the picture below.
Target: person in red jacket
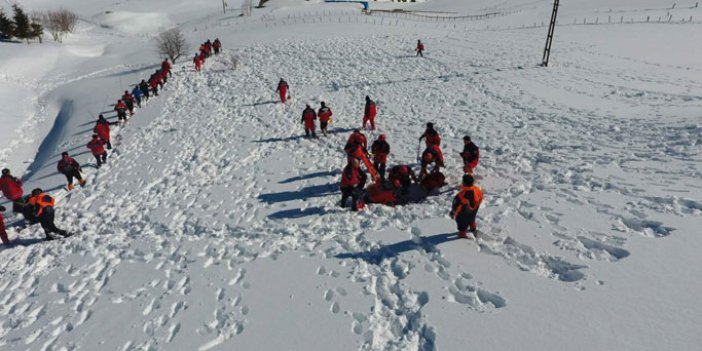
(470, 155)
(102, 129)
(431, 155)
(217, 46)
(3, 233)
(353, 179)
(380, 150)
(11, 188)
(129, 102)
(208, 48)
(97, 148)
(197, 60)
(71, 169)
(431, 135)
(420, 48)
(356, 143)
(154, 82)
(283, 90)
(166, 68)
(369, 113)
(121, 109)
(325, 115)
(308, 118)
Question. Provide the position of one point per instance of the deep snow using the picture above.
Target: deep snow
(216, 226)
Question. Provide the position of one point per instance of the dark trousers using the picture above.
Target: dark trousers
(465, 220)
(47, 223)
(138, 100)
(419, 53)
(101, 158)
(73, 173)
(310, 131)
(145, 92)
(351, 192)
(380, 167)
(323, 127)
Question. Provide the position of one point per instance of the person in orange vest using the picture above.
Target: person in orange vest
(353, 179)
(380, 150)
(308, 118)
(198, 62)
(43, 208)
(325, 115)
(283, 90)
(97, 148)
(420, 48)
(369, 113)
(3, 233)
(465, 206)
(470, 155)
(71, 169)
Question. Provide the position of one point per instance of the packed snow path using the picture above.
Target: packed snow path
(217, 224)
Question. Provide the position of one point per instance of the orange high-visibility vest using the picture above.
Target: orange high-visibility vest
(42, 200)
(465, 196)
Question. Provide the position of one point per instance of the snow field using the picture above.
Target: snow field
(215, 225)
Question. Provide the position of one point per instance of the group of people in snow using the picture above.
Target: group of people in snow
(207, 49)
(38, 207)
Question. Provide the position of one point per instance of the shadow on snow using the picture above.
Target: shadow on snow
(423, 243)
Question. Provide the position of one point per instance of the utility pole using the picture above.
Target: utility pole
(549, 38)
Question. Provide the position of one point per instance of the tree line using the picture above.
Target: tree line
(26, 27)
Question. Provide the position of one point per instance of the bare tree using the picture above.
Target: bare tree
(59, 23)
(172, 43)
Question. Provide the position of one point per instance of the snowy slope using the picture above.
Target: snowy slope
(215, 226)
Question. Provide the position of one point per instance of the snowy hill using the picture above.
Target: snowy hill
(216, 226)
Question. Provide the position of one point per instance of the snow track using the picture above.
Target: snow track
(222, 184)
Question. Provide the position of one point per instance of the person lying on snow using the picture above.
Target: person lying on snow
(465, 206)
(401, 177)
(353, 179)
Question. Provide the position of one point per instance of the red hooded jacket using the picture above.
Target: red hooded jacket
(11, 187)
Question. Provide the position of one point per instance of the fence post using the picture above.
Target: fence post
(609, 19)
(648, 18)
(622, 20)
(673, 6)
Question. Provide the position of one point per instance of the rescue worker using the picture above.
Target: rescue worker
(102, 129)
(71, 169)
(97, 148)
(470, 155)
(431, 135)
(325, 115)
(308, 118)
(369, 113)
(420, 48)
(465, 206)
(353, 179)
(357, 143)
(43, 208)
(380, 150)
(198, 62)
(11, 188)
(283, 90)
(3, 233)
(129, 102)
(431, 155)
(121, 109)
(144, 87)
(136, 93)
(401, 177)
(166, 68)
(154, 82)
(217, 46)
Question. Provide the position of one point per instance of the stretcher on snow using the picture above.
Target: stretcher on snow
(386, 194)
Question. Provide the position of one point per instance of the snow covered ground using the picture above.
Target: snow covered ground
(215, 226)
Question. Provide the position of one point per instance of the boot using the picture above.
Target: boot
(463, 234)
(473, 227)
(70, 186)
(82, 182)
